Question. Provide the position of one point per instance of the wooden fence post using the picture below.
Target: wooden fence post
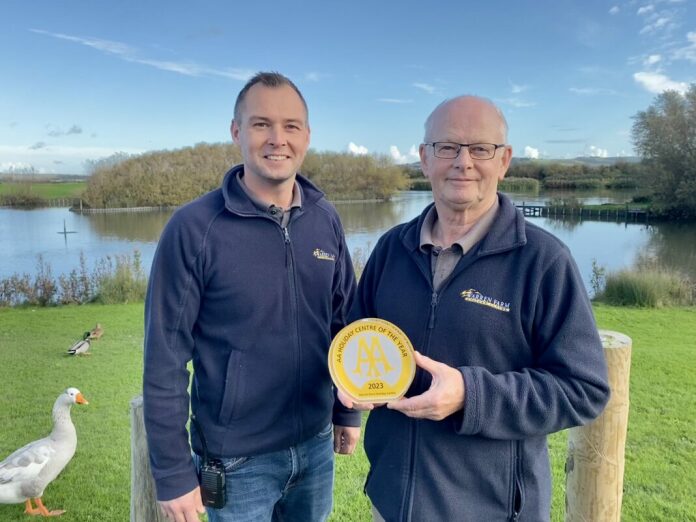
(143, 506)
(595, 462)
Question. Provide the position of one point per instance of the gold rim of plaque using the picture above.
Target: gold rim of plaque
(372, 360)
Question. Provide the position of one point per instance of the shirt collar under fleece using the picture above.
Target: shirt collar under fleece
(281, 216)
(465, 242)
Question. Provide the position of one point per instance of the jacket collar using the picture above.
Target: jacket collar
(506, 232)
(238, 202)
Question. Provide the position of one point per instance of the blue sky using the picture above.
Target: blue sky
(82, 80)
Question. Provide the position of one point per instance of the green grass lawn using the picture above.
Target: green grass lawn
(46, 190)
(660, 453)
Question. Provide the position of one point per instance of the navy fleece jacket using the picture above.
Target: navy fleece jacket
(515, 319)
(255, 306)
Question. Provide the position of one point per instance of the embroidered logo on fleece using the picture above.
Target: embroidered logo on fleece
(320, 254)
(474, 296)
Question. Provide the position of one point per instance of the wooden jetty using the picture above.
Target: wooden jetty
(628, 215)
(79, 208)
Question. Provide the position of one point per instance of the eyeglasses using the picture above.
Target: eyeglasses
(479, 151)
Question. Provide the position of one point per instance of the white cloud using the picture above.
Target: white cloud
(430, 89)
(357, 149)
(313, 76)
(130, 54)
(688, 52)
(660, 23)
(646, 9)
(614, 10)
(107, 46)
(591, 91)
(657, 83)
(596, 152)
(531, 152)
(404, 158)
(652, 60)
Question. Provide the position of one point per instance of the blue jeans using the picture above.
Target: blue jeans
(290, 485)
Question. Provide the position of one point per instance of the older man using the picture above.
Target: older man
(509, 351)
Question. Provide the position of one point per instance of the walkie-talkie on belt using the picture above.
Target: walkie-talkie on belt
(211, 476)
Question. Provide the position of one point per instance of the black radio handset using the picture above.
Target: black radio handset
(211, 476)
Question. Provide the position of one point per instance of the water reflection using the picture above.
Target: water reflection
(26, 234)
(576, 197)
(365, 222)
(367, 217)
(566, 225)
(138, 226)
(662, 243)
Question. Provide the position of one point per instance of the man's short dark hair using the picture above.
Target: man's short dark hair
(269, 79)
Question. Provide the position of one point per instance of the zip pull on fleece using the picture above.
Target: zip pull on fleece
(433, 305)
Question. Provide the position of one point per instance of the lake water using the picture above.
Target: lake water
(24, 234)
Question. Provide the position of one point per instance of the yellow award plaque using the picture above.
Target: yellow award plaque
(371, 360)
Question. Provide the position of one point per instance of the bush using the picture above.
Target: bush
(421, 184)
(359, 258)
(642, 198)
(172, 178)
(21, 196)
(21, 289)
(598, 278)
(344, 176)
(573, 203)
(519, 185)
(647, 287)
(573, 184)
(120, 279)
(78, 286)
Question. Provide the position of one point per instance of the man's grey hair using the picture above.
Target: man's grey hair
(269, 79)
(503, 121)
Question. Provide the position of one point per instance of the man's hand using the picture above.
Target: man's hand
(345, 439)
(184, 508)
(443, 398)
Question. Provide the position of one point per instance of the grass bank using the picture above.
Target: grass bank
(44, 190)
(660, 453)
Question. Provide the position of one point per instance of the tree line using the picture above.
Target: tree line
(557, 175)
(665, 136)
(174, 177)
(547, 174)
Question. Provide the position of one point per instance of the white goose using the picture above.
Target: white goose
(27, 471)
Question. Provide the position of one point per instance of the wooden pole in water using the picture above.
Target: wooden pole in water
(595, 462)
(144, 506)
